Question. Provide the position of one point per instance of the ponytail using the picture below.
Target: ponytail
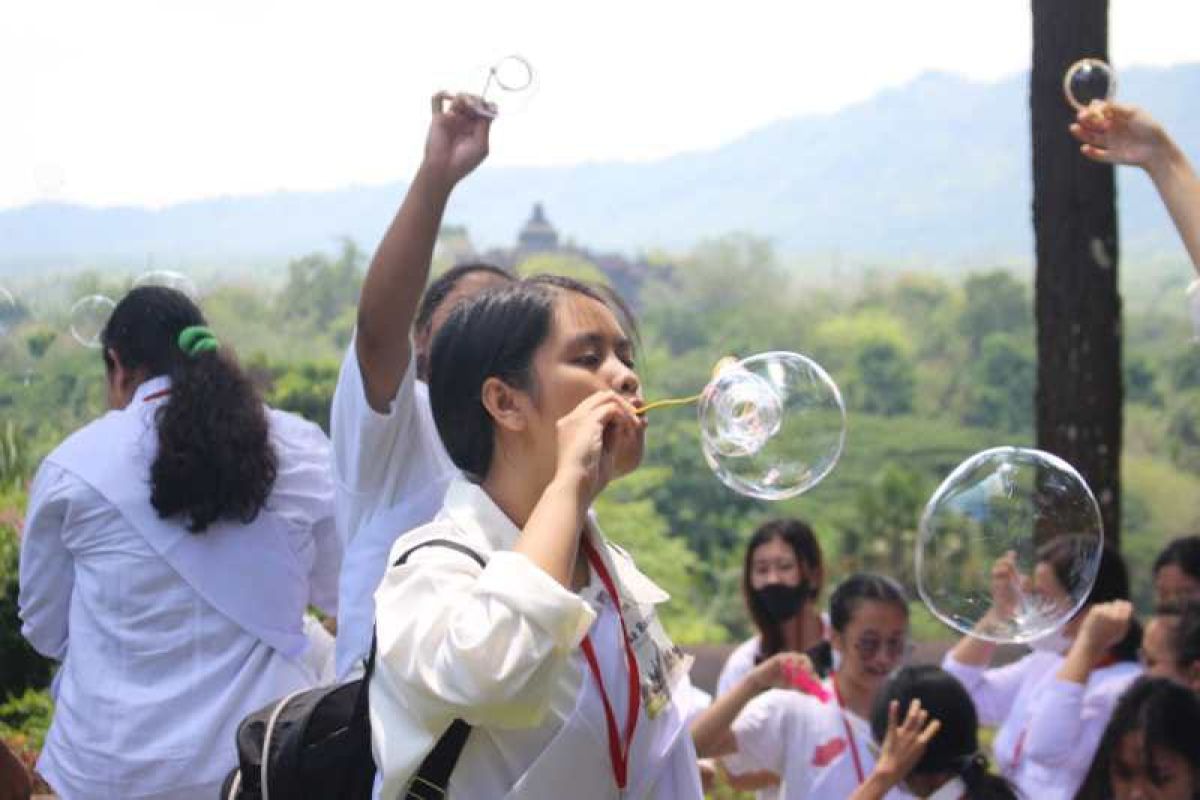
(215, 460)
(982, 784)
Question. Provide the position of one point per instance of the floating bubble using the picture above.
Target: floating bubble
(1009, 545)
(89, 315)
(171, 280)
(772, 426)
(10, 312)
(1087, 81)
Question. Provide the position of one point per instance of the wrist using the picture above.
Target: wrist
(435, 180)
(1165, 158)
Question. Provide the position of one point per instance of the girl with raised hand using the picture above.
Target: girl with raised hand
(171, 549)
(941, 761)
(1051, 705)
(820, 746)
(552, 652)
(391, 468)
(1150, 750)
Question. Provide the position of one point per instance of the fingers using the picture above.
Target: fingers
(893, 712)
(931, 730)
(439, 101)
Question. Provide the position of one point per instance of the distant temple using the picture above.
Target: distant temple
(539, 237)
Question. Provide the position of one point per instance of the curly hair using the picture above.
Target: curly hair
(215, 460)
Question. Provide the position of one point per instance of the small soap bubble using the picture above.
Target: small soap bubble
(1089, 80)
(1009, 545)
(171, 280)
(89, 315)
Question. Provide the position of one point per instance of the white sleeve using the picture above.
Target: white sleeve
(767, 730)
(739, 663)
(47, 570)
(1067, 723)
(993, 690)
(365, 442)
(487, 645)
(303, 494)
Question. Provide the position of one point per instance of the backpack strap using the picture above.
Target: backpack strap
(433, 776)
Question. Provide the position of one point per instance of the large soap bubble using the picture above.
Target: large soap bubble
(89, 315)
(1089, 80)
(1009, 545)
(773, 425)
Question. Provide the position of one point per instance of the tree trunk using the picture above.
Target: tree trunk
(1077, 304)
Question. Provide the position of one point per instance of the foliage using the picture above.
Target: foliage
(25, 718)
(21, 668)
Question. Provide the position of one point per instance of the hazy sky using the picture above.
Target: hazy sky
(123, 102)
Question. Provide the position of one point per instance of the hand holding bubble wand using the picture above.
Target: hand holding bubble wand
(510, 76)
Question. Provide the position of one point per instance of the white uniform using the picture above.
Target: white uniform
(392, 472)
(500, 648)
(808, 743)
(167, 639)
(1049, 728)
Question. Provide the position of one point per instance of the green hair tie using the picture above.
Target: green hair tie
(197, 339)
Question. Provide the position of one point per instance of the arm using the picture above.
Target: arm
(712, 730)
(47, 569)
(457, 143)
(1114, 133)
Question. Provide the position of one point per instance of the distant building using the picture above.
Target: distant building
(539, 237)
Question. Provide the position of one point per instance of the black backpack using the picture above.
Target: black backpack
(316, 743)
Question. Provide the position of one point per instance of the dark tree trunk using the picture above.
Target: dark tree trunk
(1078, 307)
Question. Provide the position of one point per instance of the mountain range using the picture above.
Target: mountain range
(935, 171)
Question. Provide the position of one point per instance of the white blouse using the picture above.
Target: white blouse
(392, 472)
(153, 678)
(1049, 728)
(499, 648)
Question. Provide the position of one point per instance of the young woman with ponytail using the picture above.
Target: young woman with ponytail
(947, 765)
(170, 551)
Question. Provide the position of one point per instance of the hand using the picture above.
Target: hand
(458, 137)
(1104, 626)
(905, 743)
(779, 671)
(588, 438)
(1007, 586)
(1114, 133)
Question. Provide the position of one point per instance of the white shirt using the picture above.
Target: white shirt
(154, 680)
(805, 742)
(391, 472)
(499, 647)
(1049, 728)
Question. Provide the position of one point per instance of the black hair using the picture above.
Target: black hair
(1185, 633)
(858, 589)
(1184, 553)
(494, 334)
(215, 460)
(800, 537)
(1165, 713)
(1112, 583)
(955, 748)
(440, 288)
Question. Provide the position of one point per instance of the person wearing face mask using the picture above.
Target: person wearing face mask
(1051, 706)
(821, 747)
(782, 575)
(1171, 646)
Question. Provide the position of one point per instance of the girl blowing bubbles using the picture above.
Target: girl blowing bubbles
(552, 652)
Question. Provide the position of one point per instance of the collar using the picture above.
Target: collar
(953, 789)
(149, 387)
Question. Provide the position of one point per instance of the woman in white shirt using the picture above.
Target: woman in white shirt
(552, 652)
(1051, 706)
(171, 549)
(782, 575)
(821, 747)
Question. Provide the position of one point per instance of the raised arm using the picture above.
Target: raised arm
(456, 145)
(1114, 133)
(712, 730)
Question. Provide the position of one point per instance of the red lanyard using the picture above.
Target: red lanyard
(156, 395)
(618, 754)
(858, 770)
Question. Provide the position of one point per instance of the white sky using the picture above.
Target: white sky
(151, 102)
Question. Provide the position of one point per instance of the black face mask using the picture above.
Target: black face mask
(782, 602)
